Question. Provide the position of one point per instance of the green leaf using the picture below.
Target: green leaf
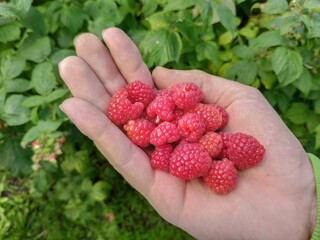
(33, 101)
(72, 17)
(100, 191)
(267, 39)
(298, 113)
(10, 32)
(43, 79)
(56, 94)
(317, 144)
(189, 31)
(242, 51)
(267, 79)
(15, 158)
(161, 20)
(35, 21)
(36, 49)
(8, 10)
(312, 122)
(317, 106)
(208, 50)
(22, 5)
(311, 4)
(106, 9)
(206, 12)
(174, 5)
(161, 46)
(226, 17)
(40, 182)
(31, 135)
(287, 64)
(14, 113)
(149, 7)
(65, 37)
(283, 102)
(49, 125)
(99, 24)
(18, 85)
(275, 6)
(12, 66)
(245, 71)
(304, 82)
(59, 55)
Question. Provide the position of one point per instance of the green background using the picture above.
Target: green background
(76, 194)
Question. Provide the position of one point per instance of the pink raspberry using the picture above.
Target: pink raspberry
(161, 157)
(140, 92)
(155, 121)
(139, 131)
(189, 160)
(186, 95)
(191, 126)
(121, 110)
(162, 106)
(212, 143)
(222, 176)
(224, 114)
(165, 132)
(210, 114)
(225, 138)
(177, 114)
(164, 92)
(244, 150)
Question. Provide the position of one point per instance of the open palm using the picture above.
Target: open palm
(274, 200)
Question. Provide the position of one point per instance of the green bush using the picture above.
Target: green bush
(54, 183)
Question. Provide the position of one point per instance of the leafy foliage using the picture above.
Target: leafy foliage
(53, 173)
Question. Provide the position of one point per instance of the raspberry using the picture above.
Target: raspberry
(164, 92)
(121, 110)
(186, 95)
(161, 157)
(224, 115)
(189, 160)
(177, 114)
(191, 126)
(222, 176)
(139, 131)
(163, 133)
(210, 114)
(162, 106)
(225, 138)
(244, 150)
(140, 92)
(212, 143)
(155, 121)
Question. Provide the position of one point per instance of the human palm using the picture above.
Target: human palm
(274, 200)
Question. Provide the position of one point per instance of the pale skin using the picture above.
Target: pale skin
(274, 200)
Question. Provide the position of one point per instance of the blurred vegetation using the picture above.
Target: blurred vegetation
(54, 184)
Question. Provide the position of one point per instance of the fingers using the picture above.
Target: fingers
(127, 56)
(215, 89)
(128, 159)
(91, 50)
(83, 83)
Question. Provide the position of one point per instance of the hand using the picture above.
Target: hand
(274, 200)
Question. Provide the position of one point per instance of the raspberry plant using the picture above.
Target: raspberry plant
(271, 45)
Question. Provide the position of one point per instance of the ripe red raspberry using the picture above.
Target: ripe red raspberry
(177, 114)
(165, 132)
(210, 114)
(155, 121)
(186, 95)
(189, 160)
(121, 110)
(161, 157)
(212, 143)
(140, 92)
(244, 150)
(225, 138)
(139, 131)
(164, 92)
(148, 150)
(224, 114)
(162, 106)
(222, 176)
(191, 126)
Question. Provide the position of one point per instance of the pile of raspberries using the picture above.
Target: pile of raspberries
(179, 133)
